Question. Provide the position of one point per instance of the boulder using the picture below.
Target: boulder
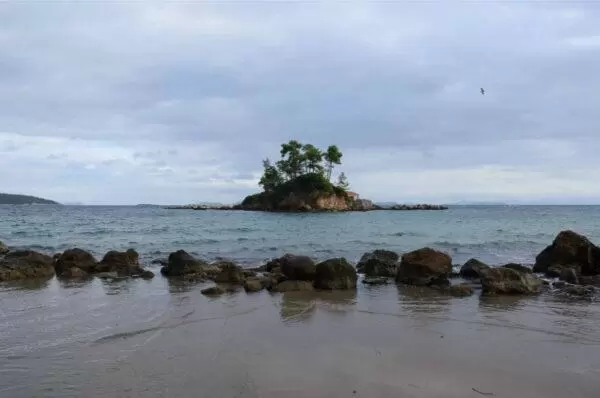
(508, 281)
(25, 264)
(230, 273)
(336, 273)
(473, 269)
(253, 285)
(299, 268)
(424, 267)
(569, 275)
(180, 263)
(518, 267)
(123, 263)
(378, 263)
(291, 286)
(570, 250)
(3, 248)
(74, 258)
(378, 280)
(213, 291)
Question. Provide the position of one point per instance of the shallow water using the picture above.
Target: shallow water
(495, 234)
(136, 338)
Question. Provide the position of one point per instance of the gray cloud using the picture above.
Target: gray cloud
(198, 94)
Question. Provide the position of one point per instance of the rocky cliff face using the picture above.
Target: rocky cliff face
(295, 202)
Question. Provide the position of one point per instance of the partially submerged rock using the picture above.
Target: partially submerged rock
(230, 273)
(424, 267)
(378, 263)
(301, 268)
(579, 291)
(473, 269)
(25, 264)
(213, 291)
(74, 273)
(292, 286)
(3, 248)
(569, 250)
(460, 290)
(334, 274)
(75, 258)
(569, 275)
(508, 281)
(518, 267)
(123, 263)
(254, 285)
(378, 280)
(180, 263)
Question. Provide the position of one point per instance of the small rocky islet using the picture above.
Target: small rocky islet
(571, 260)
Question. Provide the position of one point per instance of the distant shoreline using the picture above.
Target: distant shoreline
(376, 208)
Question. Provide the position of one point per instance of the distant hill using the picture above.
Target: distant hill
(11, 199)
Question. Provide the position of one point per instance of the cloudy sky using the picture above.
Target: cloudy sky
(178, 103)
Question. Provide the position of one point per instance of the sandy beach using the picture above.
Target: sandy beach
(136, 338)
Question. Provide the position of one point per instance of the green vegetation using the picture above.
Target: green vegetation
(302, 170)
(10, 199)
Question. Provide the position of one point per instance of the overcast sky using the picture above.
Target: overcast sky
(178, 103)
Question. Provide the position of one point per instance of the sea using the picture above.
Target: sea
(163, 338)
(493, 234)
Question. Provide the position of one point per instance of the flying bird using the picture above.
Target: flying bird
(482, 91)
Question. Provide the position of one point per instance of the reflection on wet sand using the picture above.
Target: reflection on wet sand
(423, 300)
(301, 306)
(26, 284)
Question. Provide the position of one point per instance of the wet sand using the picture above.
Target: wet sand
(157, 338)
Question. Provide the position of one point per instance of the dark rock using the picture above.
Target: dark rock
(123, 263)
(292, 286)
(213, 291)
(3, 248)
(580, 291)
(107, 275)
(378, 263)
(74, 258)
(300, 268)
(559, 284)
(180, 263)
(336, 273)
(253, 285)
(160, 261)
(230, 273)
(473, 269)
(249, 273)
(146, 274)
(459, 290)
(569, 275)
(26, 264)
(74, 273)
(518, 267)
(570, 250)
(555, 271)
(590, 280)
(424, 267)
(381, 280)
(508, 281)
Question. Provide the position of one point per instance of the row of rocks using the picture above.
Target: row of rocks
(571, 256)
(291, 273)
(71, 264)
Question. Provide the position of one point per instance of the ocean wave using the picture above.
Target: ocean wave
(414, 234)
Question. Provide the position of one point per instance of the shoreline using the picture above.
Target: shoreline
(427, 207)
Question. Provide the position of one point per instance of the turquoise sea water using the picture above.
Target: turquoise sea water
(495, 234)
